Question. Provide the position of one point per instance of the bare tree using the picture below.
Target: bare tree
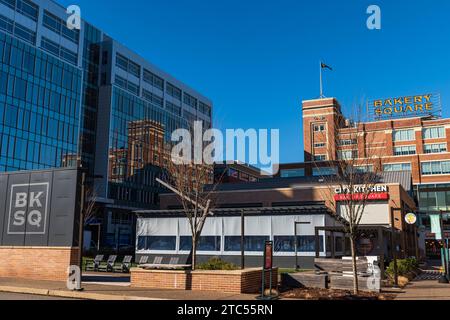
(90, 209)
(355, 157)
(195, 186)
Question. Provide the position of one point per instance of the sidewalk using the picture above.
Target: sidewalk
(425, 287)
(96, 291)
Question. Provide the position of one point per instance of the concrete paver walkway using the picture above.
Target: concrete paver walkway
(96, 291)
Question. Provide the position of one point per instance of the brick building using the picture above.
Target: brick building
(418, 144)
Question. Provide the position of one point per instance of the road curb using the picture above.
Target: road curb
(71, 294)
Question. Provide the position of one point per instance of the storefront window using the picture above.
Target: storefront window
(157, 243)
(251, 243)
(304, 244)
(206, 243)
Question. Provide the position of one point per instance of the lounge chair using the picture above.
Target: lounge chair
(173, 263)
(143, 260)
(109, 265)
(124, 266)
(94, 265)
(156, 264)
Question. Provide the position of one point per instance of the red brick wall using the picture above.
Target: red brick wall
(39, 263)
(246, 281)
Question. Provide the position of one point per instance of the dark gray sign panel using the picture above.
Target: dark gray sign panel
(65, 195)
(39, 208)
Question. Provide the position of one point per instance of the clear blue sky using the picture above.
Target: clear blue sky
(257, 60)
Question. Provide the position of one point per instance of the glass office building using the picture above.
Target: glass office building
(79, 98)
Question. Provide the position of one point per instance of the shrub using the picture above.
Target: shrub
(217, 264)
(404, 266)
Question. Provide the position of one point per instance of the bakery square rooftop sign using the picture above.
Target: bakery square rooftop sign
(408, 106)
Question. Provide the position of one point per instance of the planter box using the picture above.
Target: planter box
(37, 263)
(234, 281)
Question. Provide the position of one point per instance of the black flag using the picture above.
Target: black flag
(324, 66)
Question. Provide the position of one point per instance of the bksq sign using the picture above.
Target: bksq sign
(28, 208)
(407, 106)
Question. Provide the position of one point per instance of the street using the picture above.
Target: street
(18, 296)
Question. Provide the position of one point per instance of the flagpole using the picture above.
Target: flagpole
(321, 84)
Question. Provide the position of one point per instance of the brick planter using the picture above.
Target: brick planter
(38, 263)
(234, 281)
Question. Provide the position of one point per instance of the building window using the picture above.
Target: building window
(24, 33)
(251, 243)
(6, 24)
(404, 150)
(127, 85)
(28, 8)
(319, 127)
(397, 167)
(205, 243)
(304, 244)
(127, 65)
(204, 108)
(319, 145)
(9, 3)
(434, 133)
(363, 169)
(435, 148)
(59, 26)
(404, 135)
(59, 51)
(190, 101)
(320, 157)
(173, 108)
(157, 243)
(153, 80)
(325, 171)
(173, 91)
(437, 167)
(290, 173)
(347, 154)
(347, 142)
(154, 99)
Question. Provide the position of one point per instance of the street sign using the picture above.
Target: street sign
(411, 218)
(268, 255)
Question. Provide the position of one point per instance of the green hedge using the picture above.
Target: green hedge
(216, 264)
(404, 266)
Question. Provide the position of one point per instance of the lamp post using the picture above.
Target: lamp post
(394, 246)
(444, 278)
(242, 240)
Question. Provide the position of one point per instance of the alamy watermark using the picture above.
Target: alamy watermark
(74, 17)
(374, 20)
(198, 146)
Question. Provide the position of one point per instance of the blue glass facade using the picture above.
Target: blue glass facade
(39, 108)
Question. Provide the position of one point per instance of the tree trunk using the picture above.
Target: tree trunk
(355, 268)
(194, 252)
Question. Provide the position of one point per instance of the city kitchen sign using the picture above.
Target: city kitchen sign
(408, 106)
(378, 192)
(28, 208)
